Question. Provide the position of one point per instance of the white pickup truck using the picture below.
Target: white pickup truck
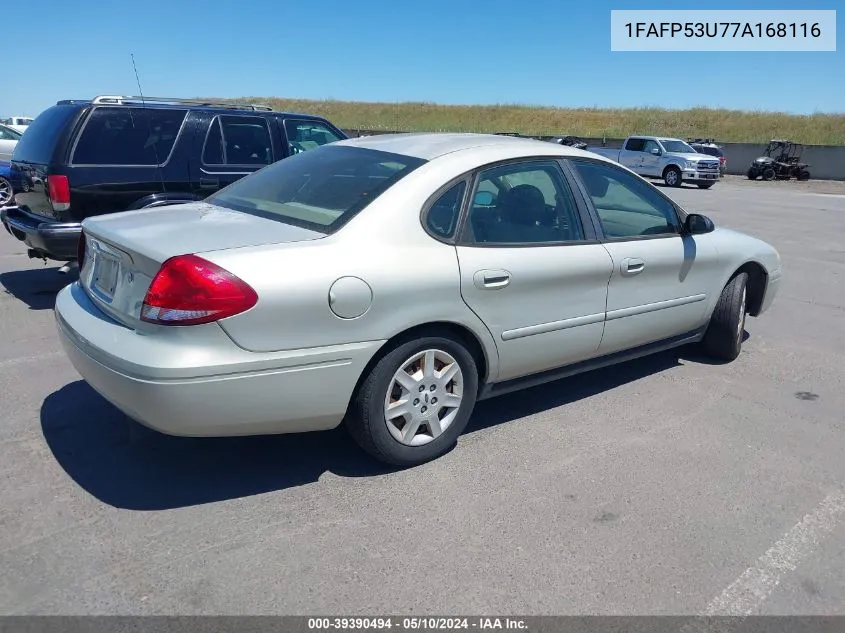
(671, 159)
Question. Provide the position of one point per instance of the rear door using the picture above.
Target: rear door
(231, 147)
(631, 154)
(531, 268)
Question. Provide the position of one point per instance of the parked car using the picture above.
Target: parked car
(671, 159)
(711, 148)
(17, 123)
(87, 158)
(8, 140)
(8, 184)
(391, 282)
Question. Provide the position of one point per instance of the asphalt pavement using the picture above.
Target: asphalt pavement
(668, 485)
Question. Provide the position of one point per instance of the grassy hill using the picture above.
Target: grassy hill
(724, 125)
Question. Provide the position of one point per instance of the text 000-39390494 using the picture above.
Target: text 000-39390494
(706, 30)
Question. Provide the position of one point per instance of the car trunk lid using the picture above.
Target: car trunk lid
(125, 251)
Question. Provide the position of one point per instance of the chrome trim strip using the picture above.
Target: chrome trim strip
(653, 307)
(552, 326)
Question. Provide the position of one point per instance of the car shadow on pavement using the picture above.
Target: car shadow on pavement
(125, 465)
(36, 287)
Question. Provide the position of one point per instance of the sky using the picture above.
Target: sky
(552, 52)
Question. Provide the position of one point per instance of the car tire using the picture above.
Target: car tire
(769, 173)
(723, 338)
(7, 193)
(706, 185)
(803, 175)
(389, 441)
(672, 177)
(752, 173)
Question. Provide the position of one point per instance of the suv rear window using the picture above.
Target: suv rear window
(39, 143)
(128, 136)
(321, 189)
(709, 150)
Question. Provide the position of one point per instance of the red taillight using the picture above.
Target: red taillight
(189, 290)
(58, 188)
(81, 249)
(723, 160)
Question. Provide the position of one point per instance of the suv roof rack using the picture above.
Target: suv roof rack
(119, 99)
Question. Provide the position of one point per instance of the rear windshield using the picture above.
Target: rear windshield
(42, 135)
(321, 189)
(712, 151)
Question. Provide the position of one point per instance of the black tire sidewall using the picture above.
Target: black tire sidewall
(378, 439)
(679, 180)
(720, 339)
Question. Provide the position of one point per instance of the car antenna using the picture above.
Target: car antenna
(149, 125)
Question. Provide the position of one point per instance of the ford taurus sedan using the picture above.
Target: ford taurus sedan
(391, 282)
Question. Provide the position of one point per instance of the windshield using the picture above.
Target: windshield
(320, 189)
(678, 147)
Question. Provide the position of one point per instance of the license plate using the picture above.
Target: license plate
(105, 274)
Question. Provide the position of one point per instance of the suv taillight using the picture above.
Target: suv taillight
(189, 290)
(58, 188)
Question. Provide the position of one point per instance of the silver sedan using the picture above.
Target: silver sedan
(391, 282)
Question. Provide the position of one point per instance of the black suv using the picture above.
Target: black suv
(109, 154)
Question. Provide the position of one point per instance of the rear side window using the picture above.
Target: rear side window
(42, 135)
(238, 140)
(128, 136)
(635, 144)
(319, 190)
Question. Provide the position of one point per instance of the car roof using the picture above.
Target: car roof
(431, 145)
(234, 109)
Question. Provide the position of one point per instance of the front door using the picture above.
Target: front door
(660, 283)
(650, 163)
(531, 268)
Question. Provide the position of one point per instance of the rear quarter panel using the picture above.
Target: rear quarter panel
(413, 279)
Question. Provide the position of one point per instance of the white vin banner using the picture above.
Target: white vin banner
(691, 30)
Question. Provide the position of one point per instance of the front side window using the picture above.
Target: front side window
(128, 136)
(650, 146)
(627, 206)
(319, 190)
(305, 135)
(526, 202)
(238, 140)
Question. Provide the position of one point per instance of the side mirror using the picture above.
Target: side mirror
(655, 151)
(484, 198)
(695, 224)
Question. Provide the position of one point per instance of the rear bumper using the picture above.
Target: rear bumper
(53, 240)
(194, 381)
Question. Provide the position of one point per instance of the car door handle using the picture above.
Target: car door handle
(209, 183)
(491, 279)
(632, 266)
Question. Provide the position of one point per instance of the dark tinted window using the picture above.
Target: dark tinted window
(711, 151)
(238, 140)
(321, 189)
(442, 216)
(635, 144)
(304, 135)
(128, 136)
(627, 206)
(42, 135)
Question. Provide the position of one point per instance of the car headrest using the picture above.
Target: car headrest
(524, 204)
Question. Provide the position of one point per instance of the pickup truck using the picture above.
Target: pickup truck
(671, 159)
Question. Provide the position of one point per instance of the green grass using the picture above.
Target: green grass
(723, 125)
